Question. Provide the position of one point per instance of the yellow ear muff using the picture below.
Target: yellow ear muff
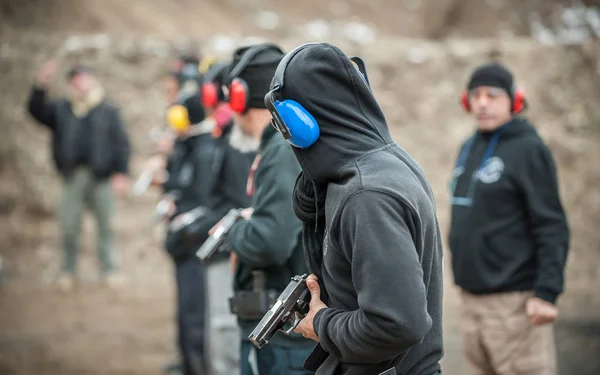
(178, 118)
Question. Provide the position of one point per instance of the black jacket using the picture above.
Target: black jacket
(269, 241)
(107, 136)
(377, 249)
(191, 178)
(509, 231)
(231, 168)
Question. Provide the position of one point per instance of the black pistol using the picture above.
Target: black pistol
(214, 242)
(291, 306)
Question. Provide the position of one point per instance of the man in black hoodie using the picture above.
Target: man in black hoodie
(509, 235)
(371, 237)
(268, 240)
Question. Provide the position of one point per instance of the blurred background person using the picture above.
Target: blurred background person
(266, 250)
(187, 189)
(509, 235)
(232, 162)
(182, 80)
(165, 136)
(91, 151)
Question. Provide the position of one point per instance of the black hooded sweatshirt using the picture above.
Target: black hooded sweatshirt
(509, 231)
(370, 229)
(230, 167)
(190, 180)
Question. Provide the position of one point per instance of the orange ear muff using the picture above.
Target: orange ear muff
(238, 96)
(210, 97)
(464, 101)
(178, 118)
(518, 101)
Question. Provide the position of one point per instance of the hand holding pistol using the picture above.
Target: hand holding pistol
(291, 306)
(216, 240)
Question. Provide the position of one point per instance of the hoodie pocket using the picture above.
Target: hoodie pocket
(507, 248)
(498, 249)
(316, 358)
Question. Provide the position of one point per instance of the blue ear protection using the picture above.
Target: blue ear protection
(290, 118)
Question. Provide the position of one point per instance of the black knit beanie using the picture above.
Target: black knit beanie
(78, 69)
(494, 75)
(258, 73)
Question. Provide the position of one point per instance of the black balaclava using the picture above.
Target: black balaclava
(258, 73)
(494, 75)
(326, 83)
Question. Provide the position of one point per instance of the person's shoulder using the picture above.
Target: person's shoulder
(109, 105)
(389, 167)
(279, 152)
(277, 145)
(525, 133)
(395, 173)
(380, 201)
(530, 145)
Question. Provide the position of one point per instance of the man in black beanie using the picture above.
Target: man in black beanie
(266, 245)
(509, 235)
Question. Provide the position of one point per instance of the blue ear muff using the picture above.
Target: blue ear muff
(302, 126)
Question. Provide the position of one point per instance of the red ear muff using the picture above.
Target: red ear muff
(210, 97)
(238, 95)
(518, 101)
(464, 101)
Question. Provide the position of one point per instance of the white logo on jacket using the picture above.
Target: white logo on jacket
(491, 171)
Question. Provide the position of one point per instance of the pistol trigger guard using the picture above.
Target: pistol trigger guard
(294, 324)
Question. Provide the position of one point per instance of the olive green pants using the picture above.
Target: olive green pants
(81, 190)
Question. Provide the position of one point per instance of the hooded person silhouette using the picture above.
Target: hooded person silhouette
(370, 234)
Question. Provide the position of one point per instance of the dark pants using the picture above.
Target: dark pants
(274, 360)
(191, 305)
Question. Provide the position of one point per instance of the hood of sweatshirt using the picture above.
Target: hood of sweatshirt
(321, 78)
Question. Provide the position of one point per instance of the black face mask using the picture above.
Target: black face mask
(334, 90)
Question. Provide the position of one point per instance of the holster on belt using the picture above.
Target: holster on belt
(254, 304)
